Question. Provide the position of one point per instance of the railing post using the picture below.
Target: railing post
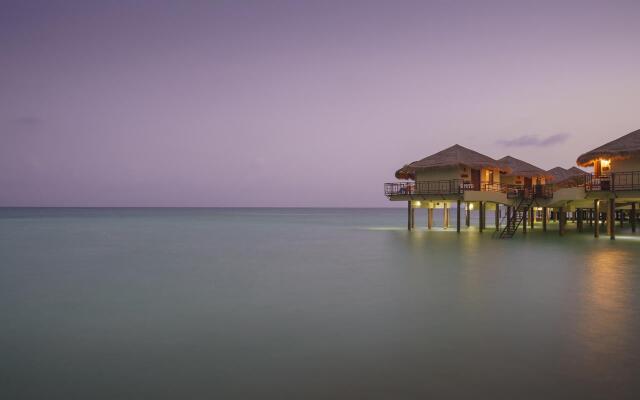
(613, 185)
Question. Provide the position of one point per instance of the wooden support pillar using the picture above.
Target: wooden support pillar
(544, 219)
(532, 217)
(508, 215)
(445, 218)
(562, 219)
(409, 209)
(468, 215)
(596, 218)
(611, 215)
(413, 218)
(480, 217)
(579, 215)
(621, 213)
(632, 217)
(430, 217)
(458, 216)
(524, 220)
(497, 217)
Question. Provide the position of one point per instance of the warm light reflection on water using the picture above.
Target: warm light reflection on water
(606, 307)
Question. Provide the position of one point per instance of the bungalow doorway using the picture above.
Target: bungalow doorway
(475, 179)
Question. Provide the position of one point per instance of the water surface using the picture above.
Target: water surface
(309, 303)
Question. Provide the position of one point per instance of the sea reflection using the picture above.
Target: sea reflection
(604, 323)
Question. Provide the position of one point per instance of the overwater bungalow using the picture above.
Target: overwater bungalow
(520, 193)
(615, 180)
(524, 176)
(454, 175)
(562, 177)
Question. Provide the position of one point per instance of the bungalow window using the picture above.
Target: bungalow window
(490, 177)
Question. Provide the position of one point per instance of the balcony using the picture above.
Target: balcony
(614, 182)
(458, 187)
(443, 187)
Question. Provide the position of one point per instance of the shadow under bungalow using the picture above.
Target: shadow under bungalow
(517, 195)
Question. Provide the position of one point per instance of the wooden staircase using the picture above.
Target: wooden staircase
(511, 223)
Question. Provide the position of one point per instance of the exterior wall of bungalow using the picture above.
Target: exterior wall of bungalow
(486, 175)
(519, 180)
(626, 165)
(438, 174)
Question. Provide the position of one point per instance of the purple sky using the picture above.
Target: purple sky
(243, 103)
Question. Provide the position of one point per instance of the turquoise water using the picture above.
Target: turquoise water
(309, 303)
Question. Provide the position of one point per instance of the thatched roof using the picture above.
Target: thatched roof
(560, 174)
(624, 147)
(453, 156)
(522, 168)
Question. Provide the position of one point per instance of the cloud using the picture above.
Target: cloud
(534, 140)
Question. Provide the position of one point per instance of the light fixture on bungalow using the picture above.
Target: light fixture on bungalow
(470, 206)
(604, 163)
(416, 204)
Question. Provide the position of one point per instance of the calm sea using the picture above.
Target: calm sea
(309, 303)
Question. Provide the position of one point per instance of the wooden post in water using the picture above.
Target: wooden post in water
(611, 219)
(430, 218)
(524, 220)
(413, 217)
(458, 216)
(409, 215)
(633, 217)
(532, 217)
(621, 213)
(579, 212)
(445, 216)
(562, 218)
(544, 219)
(508, 215)
(467, 215)
(497, 216)
(480, 219)
(596, 218)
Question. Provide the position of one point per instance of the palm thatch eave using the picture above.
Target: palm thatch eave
(624, 147)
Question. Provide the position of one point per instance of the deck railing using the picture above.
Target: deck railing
(453, 186)
(614, 182)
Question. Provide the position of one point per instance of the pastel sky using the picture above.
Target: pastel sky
(297, 103)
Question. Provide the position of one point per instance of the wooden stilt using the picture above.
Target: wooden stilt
(596, 218)
(480, 217)
(497, 217)
(621, 213)
(508, 215)
(430, 218)
(579, 215)
(532, 215)
(445, 216)
(562, 217)
(611, 219)
(458, 216)
(544, 219)
(633, 218)
(467, 215)
(409, 215)
(524, 220)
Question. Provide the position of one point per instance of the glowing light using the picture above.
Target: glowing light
(417, 203)
(605, 163)
(470, 206)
